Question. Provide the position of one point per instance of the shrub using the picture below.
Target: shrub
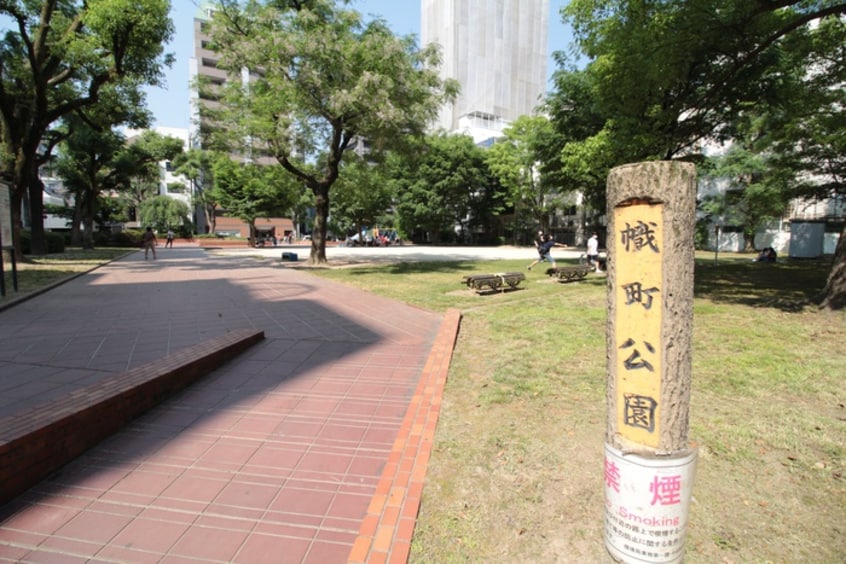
(127, 238)
(55, 242)
(185, 231)
(102, 238)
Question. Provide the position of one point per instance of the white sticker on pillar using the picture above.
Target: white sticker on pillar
(646, 505)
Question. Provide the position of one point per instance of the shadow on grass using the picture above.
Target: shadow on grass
(428, 267)
(789, 285)
(33, 282)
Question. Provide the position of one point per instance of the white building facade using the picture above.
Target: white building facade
(497, 51)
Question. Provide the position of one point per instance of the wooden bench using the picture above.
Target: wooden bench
(494, 282)
(569, 273)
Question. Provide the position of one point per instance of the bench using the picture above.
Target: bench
(569, 273)
(494, 282)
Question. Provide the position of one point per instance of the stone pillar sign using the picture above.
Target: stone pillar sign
(649, 464)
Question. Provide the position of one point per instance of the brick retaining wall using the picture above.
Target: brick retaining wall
(39, 441)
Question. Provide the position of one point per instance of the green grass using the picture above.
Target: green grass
(515, 473)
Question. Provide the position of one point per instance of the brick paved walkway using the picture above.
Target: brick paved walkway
(311, 446)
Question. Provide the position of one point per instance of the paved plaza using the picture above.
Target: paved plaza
(311, 446)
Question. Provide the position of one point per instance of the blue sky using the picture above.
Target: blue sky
(170, 105)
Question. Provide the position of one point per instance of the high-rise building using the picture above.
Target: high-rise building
(497, 51)
(204, 69)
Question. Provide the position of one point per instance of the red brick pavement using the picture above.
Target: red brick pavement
(309, 447)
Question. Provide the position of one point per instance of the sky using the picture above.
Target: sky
(170, 104)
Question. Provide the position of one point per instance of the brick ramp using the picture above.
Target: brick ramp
(39, 441)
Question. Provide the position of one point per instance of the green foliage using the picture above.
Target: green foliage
(196, 166)
(96, 160)
(362, 196)
(249, 191)
(756, 190)
(139, 166)
(59, 58)
(163, 212)
(55, 242)
(446, 182)
(126, 238)
(516, 161)
(666, 76)
(326, 78)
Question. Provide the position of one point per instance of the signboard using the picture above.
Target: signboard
(6, 240)
(649, 465)
(646, 506)
(638, 322)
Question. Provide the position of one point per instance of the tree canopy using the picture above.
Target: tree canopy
(196, 166)
(250, 191)
(444, 189)
(320, 78)
(517, 160)
(56, 59)
(362, 197)
(670, 75)
(669, 78)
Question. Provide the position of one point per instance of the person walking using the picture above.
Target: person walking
(149, 242)
(593, 251)
(169, 241)
(544, 251)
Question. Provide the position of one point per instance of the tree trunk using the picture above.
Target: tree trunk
(318, 235)
(833, 296)
(748, 240)
(90, 207)
(251, 225)
(16, 201)
(210, 218)
(26, 184)
(36, 216)
(76, 225)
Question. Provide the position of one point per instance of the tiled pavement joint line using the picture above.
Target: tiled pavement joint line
(386, 531)
(40, 440)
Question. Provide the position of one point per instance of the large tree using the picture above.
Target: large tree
(445, 183)
(580, 152)
(86, 166)
(140, 173)
(55, 59)
(320, 78)
(362, 197)
(163, 213)
(517, 161)
(90, 155)
(250, 191)
(670, 76)
(673, 74)
(196, 166)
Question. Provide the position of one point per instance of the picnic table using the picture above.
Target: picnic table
(494, 282)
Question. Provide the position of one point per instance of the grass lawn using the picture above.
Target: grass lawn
(516, 470)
